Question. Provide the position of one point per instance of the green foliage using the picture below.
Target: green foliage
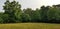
(5, 18)
(25, 18)
(14, 14)
(13, 9)
(54, 14)
(35, 16)
(1, 19)
(28, 11)
(43, 13)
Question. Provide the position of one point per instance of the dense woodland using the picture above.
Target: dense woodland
(14, 14)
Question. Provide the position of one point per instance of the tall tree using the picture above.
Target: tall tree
(28, 11)
(54, 14)
(13, 9)
(43, 13)
(35, 15)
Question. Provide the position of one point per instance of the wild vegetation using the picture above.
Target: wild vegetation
(14, 14)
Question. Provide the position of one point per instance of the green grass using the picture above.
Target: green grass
(30, 26)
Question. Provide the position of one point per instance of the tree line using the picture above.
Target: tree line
(14, 14)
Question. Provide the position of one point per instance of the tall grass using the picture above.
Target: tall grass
(30, 26)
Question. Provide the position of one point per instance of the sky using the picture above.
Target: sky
(32, 3)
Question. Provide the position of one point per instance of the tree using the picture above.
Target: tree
(35, 15)
(5, 18)
(25, 18)
(43, 13)
(29, 11)
(54, 15)
(13, 9)
(1, 19)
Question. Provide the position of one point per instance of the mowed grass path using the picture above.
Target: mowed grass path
(30, 26)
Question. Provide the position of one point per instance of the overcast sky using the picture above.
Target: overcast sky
(32, 3)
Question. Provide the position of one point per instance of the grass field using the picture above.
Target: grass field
(30, 26)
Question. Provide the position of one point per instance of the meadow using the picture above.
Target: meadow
(29, 26)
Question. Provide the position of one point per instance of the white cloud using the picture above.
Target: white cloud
(50, 2)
